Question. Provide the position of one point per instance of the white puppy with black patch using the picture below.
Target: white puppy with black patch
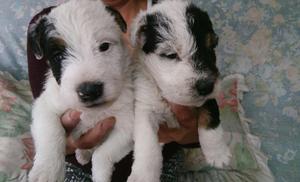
(91, 72)
(175, 44)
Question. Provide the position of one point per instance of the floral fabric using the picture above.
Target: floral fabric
(248, 163)
(258, 39)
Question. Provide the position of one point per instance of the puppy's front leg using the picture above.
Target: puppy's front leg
(49, 140)
(211, 136)
(113, 149)
(147, 150)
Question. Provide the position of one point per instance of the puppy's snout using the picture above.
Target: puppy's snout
(204, 87)
(90, 91)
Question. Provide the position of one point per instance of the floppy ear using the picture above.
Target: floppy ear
(211, 40)
(118, 18)
(36, 32)
(139, 26)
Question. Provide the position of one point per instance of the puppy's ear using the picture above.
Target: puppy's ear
(118, 18)
(211, 40)
(139, 26)
(36, 32)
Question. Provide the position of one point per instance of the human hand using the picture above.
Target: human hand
(187, 133)
(88, 140)
(94, 136)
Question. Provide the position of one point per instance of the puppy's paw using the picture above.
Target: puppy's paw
(135, 178)
(83, 156)
(98, 178)
(218, 157)
(143, 177)
(46, 173)
(102, 173)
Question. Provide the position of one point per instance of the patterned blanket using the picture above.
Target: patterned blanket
(247, 164)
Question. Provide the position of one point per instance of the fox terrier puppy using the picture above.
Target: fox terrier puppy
(90, 70)
(175, 44)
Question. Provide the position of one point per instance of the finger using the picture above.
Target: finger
(180, 135)
(163, 136)
(167, 135)
(70, 146)
(96, 134)
(70, 119)
(186, 116)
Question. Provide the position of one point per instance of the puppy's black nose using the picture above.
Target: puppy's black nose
(204, 87)
(90, 91)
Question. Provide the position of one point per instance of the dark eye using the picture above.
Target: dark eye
(104, 47)
(58, 56)
(169, 56)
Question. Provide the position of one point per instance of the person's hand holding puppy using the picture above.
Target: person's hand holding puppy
(69, 120)
(88, 140)
(187, 117)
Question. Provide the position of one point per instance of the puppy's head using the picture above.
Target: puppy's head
(176, 42)
(82, 42)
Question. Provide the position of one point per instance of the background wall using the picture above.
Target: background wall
(258, 38)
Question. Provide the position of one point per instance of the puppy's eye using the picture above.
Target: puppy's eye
(57, 56)
(169, 56)
(104, 47)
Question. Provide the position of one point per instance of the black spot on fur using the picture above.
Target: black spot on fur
(212, 107)
(200, 27)
(56, 53)
(118, 18)
(36, 36)
(151, 31)
(43, 45)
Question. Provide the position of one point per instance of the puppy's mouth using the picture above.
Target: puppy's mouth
(102, 103)
(92, 105)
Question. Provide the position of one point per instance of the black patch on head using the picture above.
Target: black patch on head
(44, 46)
(150, 31)
(213, 109)
(200, 26)
(118, 18)
(56, 53)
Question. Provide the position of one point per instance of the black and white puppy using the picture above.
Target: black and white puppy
(175, 44)
(91, 72)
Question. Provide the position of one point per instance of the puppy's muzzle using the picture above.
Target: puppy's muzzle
(204, 87)
(89, 92)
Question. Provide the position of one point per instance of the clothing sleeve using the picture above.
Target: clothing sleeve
(36, 68)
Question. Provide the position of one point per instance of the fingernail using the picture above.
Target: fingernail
(75, 115)
(113, 119)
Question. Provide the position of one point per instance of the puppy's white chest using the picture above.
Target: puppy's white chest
(165, 116)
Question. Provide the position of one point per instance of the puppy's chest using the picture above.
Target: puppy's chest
(164, 115)
(123, 113)
(149, 98)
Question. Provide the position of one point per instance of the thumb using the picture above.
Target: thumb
(70, 119)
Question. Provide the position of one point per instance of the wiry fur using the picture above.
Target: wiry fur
(69, 37)
(174, 62)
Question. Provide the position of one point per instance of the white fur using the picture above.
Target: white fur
(157, 80)
(83, 25)
(214, 147)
